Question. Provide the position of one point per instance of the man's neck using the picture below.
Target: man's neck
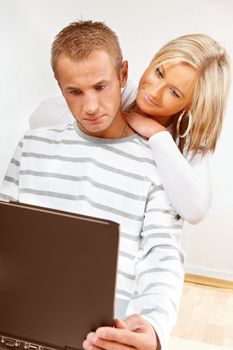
(117, 130)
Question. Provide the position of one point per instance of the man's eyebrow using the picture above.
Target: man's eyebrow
(100, 82)
(68, 88)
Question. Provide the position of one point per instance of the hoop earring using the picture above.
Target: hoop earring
(188, 127)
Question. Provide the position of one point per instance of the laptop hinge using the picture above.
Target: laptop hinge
(13, 343)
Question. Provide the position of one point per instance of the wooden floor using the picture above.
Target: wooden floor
(205, 317)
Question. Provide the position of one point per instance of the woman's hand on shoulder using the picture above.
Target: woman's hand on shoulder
(144, 126)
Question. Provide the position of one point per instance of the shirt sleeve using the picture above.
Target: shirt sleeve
(50, 112)
(159, 267)
(128, 94)
(186, 181)
(10, 186)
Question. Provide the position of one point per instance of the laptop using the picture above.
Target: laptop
(57, 276)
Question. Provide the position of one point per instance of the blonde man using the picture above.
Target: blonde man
(97, 165)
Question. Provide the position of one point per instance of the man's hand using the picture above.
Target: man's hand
(144, 126)
(133, 333)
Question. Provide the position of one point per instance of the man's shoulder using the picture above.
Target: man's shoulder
(50, 131)
(142, 145)
(140, 150)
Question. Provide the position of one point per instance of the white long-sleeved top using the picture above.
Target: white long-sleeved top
(186, 182)
(62, 168)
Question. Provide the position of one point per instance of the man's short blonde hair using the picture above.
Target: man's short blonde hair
(79, 39)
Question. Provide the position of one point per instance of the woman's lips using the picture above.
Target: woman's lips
(148, 100)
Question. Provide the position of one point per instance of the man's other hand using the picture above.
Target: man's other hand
(132, 333)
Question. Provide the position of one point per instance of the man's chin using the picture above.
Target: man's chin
(93, 130)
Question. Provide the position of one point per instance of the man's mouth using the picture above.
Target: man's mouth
(94, 119)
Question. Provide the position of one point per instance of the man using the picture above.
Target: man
(98, 166)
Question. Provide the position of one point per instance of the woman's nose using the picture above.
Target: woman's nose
(156, 89)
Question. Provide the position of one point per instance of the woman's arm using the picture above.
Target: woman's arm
(185, 181)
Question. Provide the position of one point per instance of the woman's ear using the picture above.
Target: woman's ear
(124, 74)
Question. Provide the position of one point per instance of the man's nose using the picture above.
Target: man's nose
(90, 105)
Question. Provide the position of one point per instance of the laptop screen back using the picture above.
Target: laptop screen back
(57, 275)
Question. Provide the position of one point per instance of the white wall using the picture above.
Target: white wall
(27, 29)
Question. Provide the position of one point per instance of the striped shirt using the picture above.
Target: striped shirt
(65, 169)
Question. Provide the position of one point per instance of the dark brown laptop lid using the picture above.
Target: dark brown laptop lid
(57, 275)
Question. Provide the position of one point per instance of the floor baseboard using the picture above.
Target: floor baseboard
(208, 281)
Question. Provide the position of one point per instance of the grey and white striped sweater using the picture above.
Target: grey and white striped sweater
(62, 168)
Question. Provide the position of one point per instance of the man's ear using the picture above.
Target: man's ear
(124, 74)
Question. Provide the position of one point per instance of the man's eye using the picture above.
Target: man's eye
(75, 92)
(99, 87)
(159, 73)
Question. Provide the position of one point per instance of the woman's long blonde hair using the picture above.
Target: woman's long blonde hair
(210, 92)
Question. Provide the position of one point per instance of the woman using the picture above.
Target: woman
(182, 93)
(179, 107)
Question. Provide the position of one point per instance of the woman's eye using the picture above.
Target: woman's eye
(159, 73)
(174, 93)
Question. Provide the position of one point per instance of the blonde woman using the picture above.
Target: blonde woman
(180, 107)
